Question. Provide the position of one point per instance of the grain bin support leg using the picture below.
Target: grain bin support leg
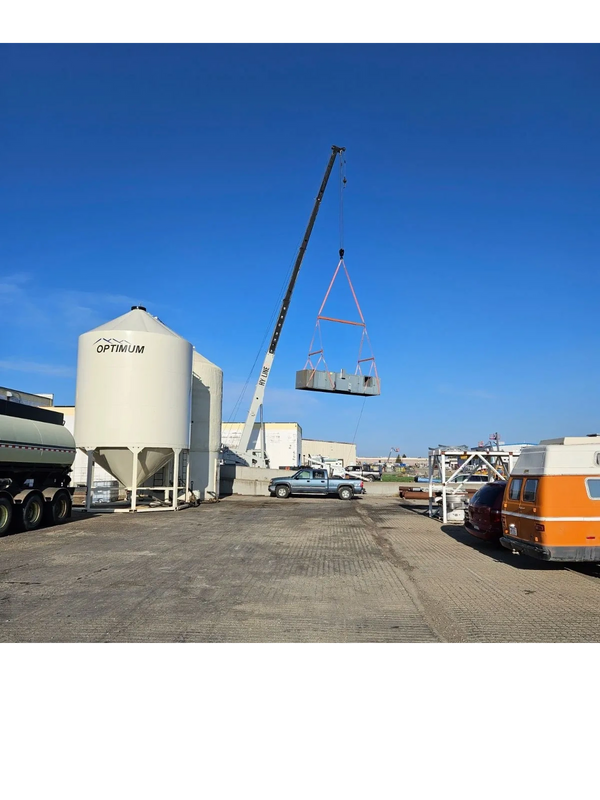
(88, 480)
(177, 452)
(134, 478)
(187, 479)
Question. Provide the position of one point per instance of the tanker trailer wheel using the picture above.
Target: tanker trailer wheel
(282, 492)
(58, 509)
(345, 493)
(31, 512)
(6, 512)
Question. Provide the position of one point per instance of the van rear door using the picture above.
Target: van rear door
(528, 508)
(520, 507)
(511, 506)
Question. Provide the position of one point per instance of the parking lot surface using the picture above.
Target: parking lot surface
(253, 569)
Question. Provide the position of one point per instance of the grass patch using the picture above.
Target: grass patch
(389, 476)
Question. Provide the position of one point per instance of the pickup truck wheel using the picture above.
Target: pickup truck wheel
(345, 493)
(282, 492)
(368, 478)
(6, 512)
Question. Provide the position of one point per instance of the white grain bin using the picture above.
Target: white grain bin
(207, 408)
(133, 395)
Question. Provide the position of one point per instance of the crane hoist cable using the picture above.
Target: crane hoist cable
(362, 408)
(343, 183)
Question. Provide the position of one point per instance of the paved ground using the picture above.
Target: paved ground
(262, 570)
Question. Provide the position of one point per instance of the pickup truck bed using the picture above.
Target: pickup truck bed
(315, 481)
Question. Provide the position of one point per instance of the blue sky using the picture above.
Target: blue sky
(182, 177)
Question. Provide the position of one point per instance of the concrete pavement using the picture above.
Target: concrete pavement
(252, 569)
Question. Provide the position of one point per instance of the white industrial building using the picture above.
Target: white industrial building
(285, 445)
(283, 440)
(346, 451)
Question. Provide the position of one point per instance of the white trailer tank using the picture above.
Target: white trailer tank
(27, 441)
(133, 395)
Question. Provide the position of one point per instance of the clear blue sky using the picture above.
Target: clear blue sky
(182, 177)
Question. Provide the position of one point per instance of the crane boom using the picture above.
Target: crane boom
(261, 383)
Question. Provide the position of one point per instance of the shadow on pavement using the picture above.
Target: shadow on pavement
(497, 552)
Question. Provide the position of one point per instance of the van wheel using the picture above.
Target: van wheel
(31, 513)
(282, 492)
(345, 493)
(58, 509)
(6, 512)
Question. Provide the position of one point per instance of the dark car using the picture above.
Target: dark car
(483, 514)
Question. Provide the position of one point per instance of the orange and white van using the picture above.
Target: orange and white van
(551, 505)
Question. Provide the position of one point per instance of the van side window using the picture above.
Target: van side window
(593, 488)
(530, 490)
(515, 488)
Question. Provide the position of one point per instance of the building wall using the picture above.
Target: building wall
(316, 447)
(284, 441)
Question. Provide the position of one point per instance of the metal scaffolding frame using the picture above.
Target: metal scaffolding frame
(498, 464)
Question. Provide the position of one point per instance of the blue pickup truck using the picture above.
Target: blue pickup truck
(315, 481)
